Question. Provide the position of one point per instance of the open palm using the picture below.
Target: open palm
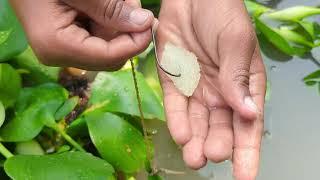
(224, 116)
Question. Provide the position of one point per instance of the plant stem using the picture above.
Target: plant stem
(144, 128)
(5, 152)
(69, 138)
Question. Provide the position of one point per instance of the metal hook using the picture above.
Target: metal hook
(156, 54)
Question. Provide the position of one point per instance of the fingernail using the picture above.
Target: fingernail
(249, 102)
(139, 16)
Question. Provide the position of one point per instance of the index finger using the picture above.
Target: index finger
(248, 134)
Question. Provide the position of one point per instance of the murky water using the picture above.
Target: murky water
(292, 146)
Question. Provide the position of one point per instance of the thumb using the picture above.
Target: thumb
(236, 52)
(119, 14)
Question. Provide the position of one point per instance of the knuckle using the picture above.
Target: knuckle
(112, 8)
(241, 77)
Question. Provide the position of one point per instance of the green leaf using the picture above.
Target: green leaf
(67, 107)
(277, 40)
(118, 89)
(2, 114)
(38, 73)
(294, 13)
(35, 107)
(155, 177)
(78, 128)
(118, 142)
(12, 38)
(255, 9)
(65, 166)
(29, 148)
(10, 85)
(292, 36)
(150, 2)
(308, 27)
(310, 83)
(4, 35)
(312, 78)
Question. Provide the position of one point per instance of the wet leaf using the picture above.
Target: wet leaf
(118, 142)
(66, 108)
(35, 107)
(277, 40)
(37, 72)
(118, 89)
(10, 85)
(29, 148)
(12, 38)
(294, 13)
(255, 9)
(64, 166)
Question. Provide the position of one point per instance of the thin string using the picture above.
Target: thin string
(144, 128)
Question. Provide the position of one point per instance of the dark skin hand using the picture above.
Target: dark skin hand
(95, 34)
(223, 119)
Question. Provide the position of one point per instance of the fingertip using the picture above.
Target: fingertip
(181, 135)
(141, 19)
(193, 154)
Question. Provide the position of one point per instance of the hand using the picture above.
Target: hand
(224, 117)
(88, 34)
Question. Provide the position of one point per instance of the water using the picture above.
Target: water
(291, 144)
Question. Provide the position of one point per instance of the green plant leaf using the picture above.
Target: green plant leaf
(2, 114)
(293, 36)
(277, 40)
(29, 148)
(294, 13)
(118, 89)
(37, 72)
(150, 2)
(67, 107)
(255, 9)
(312, 78)
(309, 28)
(64, 166)
(12, 38)
(155, 177)
(10, 85)
(118, 142)
(35, 107)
